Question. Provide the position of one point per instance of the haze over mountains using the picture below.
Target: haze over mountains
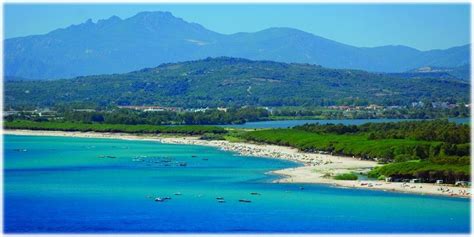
(148, 39)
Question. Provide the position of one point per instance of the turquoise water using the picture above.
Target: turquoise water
(292, 123)
(68, 185)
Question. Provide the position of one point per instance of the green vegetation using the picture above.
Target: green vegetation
(346, 176)
(350, 145)
(133, 117)
(82, 127)
(425, 170)
(436, 130)
(231, 82)
(424, 149)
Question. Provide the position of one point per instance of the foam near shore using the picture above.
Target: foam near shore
(316, 167)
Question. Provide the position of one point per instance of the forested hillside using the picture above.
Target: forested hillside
(236, 82)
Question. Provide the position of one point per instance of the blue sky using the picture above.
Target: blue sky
(421, 26)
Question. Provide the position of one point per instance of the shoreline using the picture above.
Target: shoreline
(314, 166)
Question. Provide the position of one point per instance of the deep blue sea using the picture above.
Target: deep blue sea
(292, 123)
(83, 185)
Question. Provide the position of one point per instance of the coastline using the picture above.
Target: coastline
(315, 166)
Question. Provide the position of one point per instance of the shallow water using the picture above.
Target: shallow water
(62, 185)
(292, 123)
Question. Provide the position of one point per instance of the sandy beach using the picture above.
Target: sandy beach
(316, 167)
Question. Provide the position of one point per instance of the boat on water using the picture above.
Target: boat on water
(244, 200)
(162, 199)
(219, 198)
(178, 194)
(255, 193)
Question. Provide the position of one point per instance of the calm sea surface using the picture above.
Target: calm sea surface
(292, 123)
(81, 185)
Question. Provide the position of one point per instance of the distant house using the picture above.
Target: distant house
(222, 109)
(374, 107)
(149, 108)
(417, 104)
(340, 107)
(10, 112)
(41, 112)
(394, 107)
(198, 110)
(440, 105)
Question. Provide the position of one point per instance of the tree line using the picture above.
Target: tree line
(134, 117)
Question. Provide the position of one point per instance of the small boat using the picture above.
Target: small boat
(159, 199)
(205, 159)
(221, 201)
(244, 200)
(219, 198)
(194, 156)
(177, 194)
(301, 188)
(183, 164)
(166, 198)
(111, 157)
(255, 193)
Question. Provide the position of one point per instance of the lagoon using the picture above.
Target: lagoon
(69, 185)
(292, 123)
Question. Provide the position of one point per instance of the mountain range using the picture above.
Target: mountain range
(231, 82)
(149, 39)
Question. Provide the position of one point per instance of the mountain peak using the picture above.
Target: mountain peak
(156, 19)
(110, 21)
(147, 15)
